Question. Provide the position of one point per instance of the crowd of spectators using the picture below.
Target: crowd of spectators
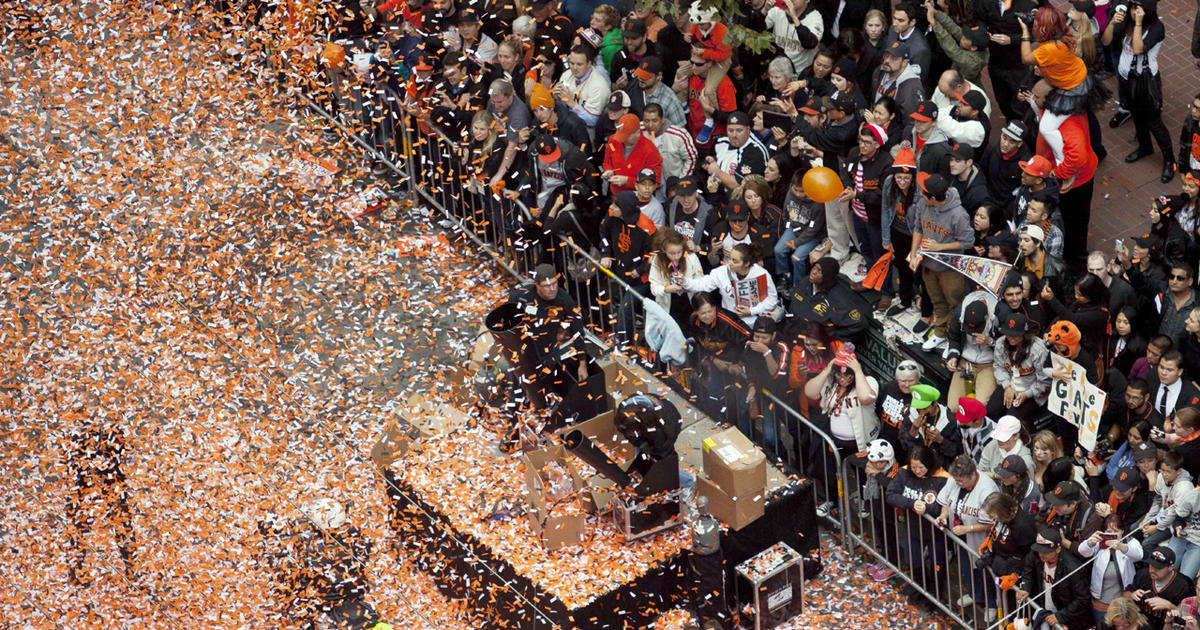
(677, 153)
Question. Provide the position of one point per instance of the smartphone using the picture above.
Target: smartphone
(1120, 244)
(1109, 536)
(773, 119)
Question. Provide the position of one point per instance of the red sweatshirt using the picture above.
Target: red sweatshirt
(643, 155)
(1079, 161)
(718, 50)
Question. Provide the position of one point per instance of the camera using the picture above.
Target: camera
(1026, 17)
(1104, 448)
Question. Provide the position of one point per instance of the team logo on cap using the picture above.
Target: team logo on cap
(1042, 540)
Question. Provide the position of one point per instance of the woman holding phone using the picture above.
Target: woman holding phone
(1113, 570)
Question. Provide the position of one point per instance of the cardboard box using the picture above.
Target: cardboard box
(556, 527)
(736, 512)
(603, 433)
(484, 351)
(398, 435)
(598, 493)
(733, 463)
(622, 382)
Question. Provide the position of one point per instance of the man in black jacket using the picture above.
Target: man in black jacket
(966, 177)
(1001, 162)
(552, 339)
(863, 175)
(626, 240)
(1158, 588)
(1069, 600)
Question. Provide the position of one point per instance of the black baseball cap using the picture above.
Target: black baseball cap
(547, 148)
(1015, 129)
(1162, 557)
(468, 16)
(846, 68)
(738, 212)
(1002, 238)
(647, 173)
(933, 184)
(686, 186)
(925, 112)
(897, 49)
(842, 102)
(1047, 540)
(1014, 324)
(1145, 450)
(1065, 492)
(739, 118)
(977, 35)
(975, 100)
(634, 28)
(1126, 479)
(1012, 466)
(649, 67)
(813, 106)
(764, 324)
(960, 151)
(975, 316)
(1148, 241)
(1086, 7)
(619, 100)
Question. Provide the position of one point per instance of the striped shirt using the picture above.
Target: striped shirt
(678, 152)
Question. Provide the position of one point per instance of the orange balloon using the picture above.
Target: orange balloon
(333, 55)
(822, 184)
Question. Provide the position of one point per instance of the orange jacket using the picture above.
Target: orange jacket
(1079, 160)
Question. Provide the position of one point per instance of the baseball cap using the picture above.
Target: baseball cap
(634, 28)
(813, 106)
(542, 4)
(1011, 466)
(739, 118)
(619, 100)
(977, 35)
(1145, 450)
(647, 173)
(924, 395)
(842, 102)
(1162, 557)
(926, 111)
(738, 212)
(960, 151)
(1015, 129)
(846, 68)
(544, 271)
(975, 100)
(1065, 492)
(933, 184)
(764, 324)
(1126, 479)
(1014, 324)
(628, 124)
(1035, 232)
(897, 49)
(1006, 428)
(969, 410)
(1047, 540)
(975, 316)
(686, 186)
(1147, 241)
(589, 35)
(1003, 238)
(649, 67)
(468, 16)
(1038, 166)
(547, 149)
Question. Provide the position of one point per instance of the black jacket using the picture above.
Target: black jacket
(873, 175)
(836, 139)
(836, 308)
(629, 245)
(725, 339)
(988, 13)
(1003, 175)
(1072, 597)
(972, 192)
(1090, 319)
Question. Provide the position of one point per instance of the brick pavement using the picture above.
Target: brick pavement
(1123, 191)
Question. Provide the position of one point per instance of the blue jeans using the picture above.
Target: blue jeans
(981, 580)
(631, 302)
(770, 434)
(799, 255)
(870, 240)
(1187, 556)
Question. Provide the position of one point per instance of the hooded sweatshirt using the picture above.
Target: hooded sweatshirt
(698, 226)
(946, 223)
(628, 239)
(933, 153)
(758, 290)
(905, 89)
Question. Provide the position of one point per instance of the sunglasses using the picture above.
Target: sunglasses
(1176, 276)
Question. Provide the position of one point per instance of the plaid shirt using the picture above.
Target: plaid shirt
(1054, 239)
(672, 107)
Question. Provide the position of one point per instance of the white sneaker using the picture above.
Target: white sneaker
(989, 614)
(964, 601)
(824, 509)
(934, 342)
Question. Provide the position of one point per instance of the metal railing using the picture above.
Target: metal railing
(939, 565)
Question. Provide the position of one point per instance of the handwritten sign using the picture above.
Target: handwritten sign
(1077, 400)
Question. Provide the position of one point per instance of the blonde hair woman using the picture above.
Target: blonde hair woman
(1045, 448)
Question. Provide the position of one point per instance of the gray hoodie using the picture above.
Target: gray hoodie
(943, 224)
(907, 90)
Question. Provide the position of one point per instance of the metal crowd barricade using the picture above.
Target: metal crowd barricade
(936, 563)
